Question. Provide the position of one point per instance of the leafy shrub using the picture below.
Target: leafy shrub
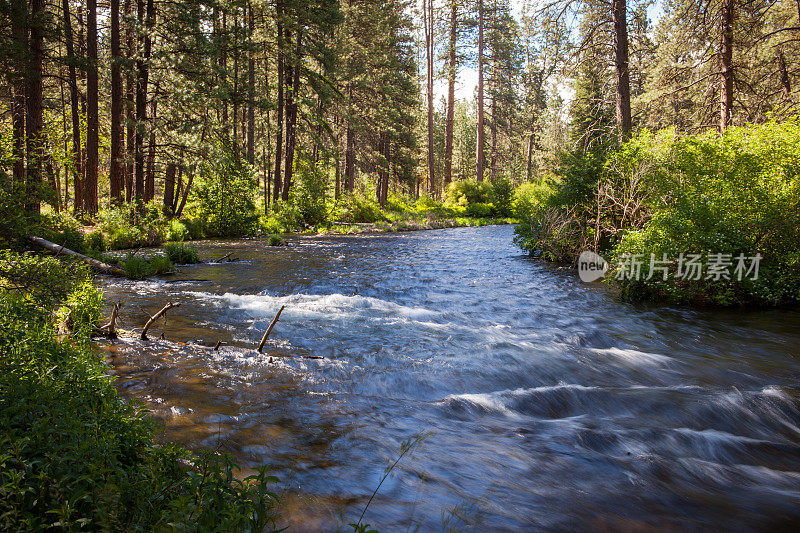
(94, 241)
(464, 192)
(83, 306)
(308, 195)
(479, 210)
(136, 267)
(180, 253)
(502, 196)
(275, 240)
(175, 230)
(355, 209)
(530, 198)
(160, 264)
(224, 194)
(732, 194)
(45, 280)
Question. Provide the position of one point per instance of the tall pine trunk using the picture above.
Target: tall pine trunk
(251, 84)
(116, 179)
(427, 7)
(276, 186)
(291, 119)
(20, 35)
(130, 91)
(479, 141)
(141, 100)
(92, 111)
(150, 176)
(726, 72)
(623, 96)
(33, 102)
(451, 96)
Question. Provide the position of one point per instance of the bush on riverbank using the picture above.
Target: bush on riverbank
(666, 195)
(73, 455)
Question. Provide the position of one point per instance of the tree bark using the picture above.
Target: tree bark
(427, 17)
(130, 90)
(92, 111)
(479, 140)
(251, 79)
(20, 34)
(726, 58)
(59, 249)
(33, 101)
(451, 95)
(623, 96)
(150, 179)
(141, 100)
(115, 177)
(169, 189)
(276, 186)
(291, 123)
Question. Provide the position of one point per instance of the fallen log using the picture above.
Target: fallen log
(105, 268)
(269, 329)
(155, 317)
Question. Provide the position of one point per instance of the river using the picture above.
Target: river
(548, 404)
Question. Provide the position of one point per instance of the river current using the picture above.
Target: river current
(547, 403)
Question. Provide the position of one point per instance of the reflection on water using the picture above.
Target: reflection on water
(553, 406)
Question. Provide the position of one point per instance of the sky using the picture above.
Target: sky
(467, 79)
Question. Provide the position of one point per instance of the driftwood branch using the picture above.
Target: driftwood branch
(156, 316)
(110, 329)
(269, 329)
(105, 268)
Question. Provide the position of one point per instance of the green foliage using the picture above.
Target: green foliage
(181, 253)
(224, 194)
(122, 232)
(502, 195)
(175, 230)
(479, 210)
(308, 195)
(275, 240)
(74, 456)
(137, 267)
(735, 194)
(45, 280)
(464, 192)
(94, 242)
(83, 305)
(356, 209)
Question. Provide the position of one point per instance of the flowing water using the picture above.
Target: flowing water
(551, 405)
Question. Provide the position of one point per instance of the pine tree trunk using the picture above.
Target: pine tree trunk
(33, 101)
(276, 186)
(451, 96)
(19, 32)
(291, 125)
(726, 57)
(169, 189)
(427, 7)
(92, 111)
(115, 169)
(623, 96)
(150, 177)
(529, 162)
(141, 101)
(251, 79)
(479, 140)
(130, 91)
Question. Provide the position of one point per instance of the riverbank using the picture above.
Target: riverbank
(76, 455)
